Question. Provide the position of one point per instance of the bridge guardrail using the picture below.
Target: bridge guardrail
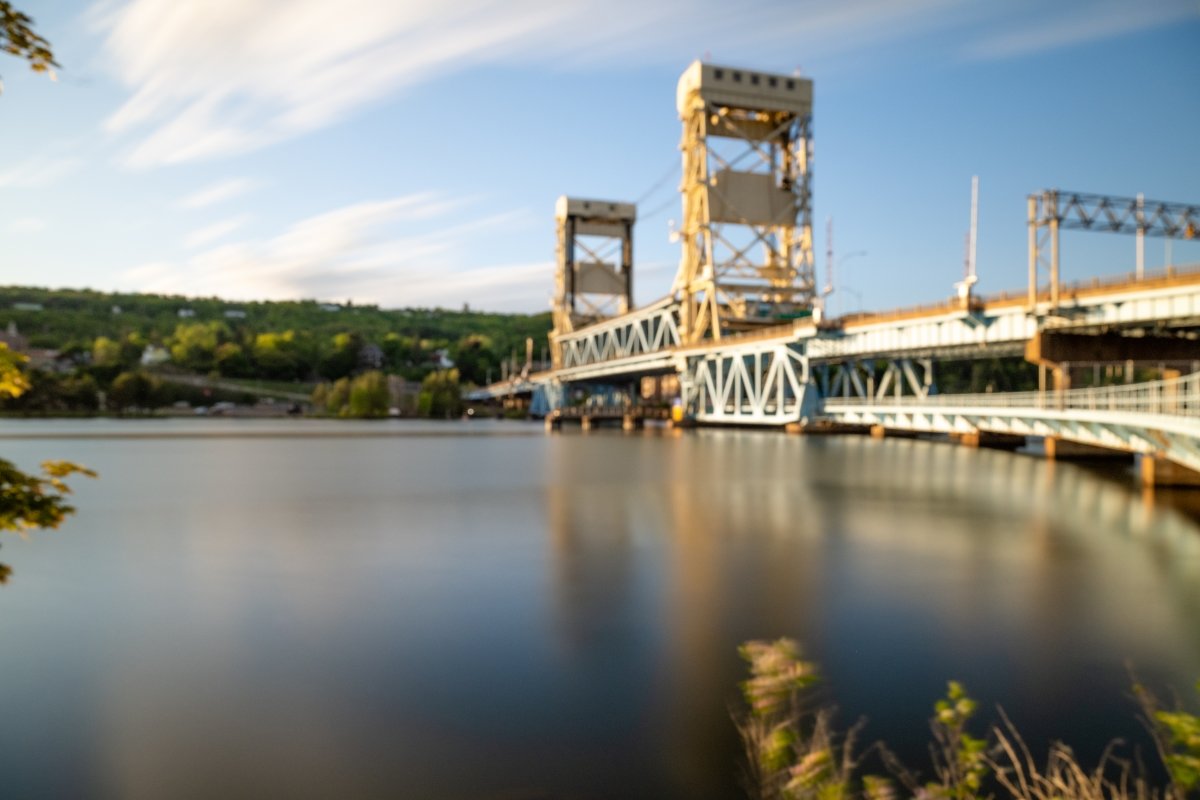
(1172, 396)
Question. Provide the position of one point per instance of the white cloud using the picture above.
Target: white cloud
(218, 192)
(382, 252)
(222, 77)
(230, 76)
(218, 230)
(28, 225)
(38, 171)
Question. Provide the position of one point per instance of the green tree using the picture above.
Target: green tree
(105, 352)
(473, 357)
(194, 345)
(441, 395)
(133, 390)
(342, 359)
(231, 360)
(368, 395)
(277, 356)
(18, 38)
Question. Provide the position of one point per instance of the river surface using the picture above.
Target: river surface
(291, 608)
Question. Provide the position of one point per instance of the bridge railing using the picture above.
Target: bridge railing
(1172, 396)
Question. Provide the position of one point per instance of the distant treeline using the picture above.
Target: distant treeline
(97, 337)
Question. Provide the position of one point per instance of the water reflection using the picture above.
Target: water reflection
(898, 564)
(530, 616)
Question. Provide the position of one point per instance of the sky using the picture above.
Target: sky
(410, 153)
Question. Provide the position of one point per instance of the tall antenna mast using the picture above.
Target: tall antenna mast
(828, 257)
(965, 286)
(971, 275)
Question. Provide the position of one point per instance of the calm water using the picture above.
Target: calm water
(475, 611)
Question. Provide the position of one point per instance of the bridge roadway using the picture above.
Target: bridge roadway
(765, 373)
(808, 372)
(1159, 419)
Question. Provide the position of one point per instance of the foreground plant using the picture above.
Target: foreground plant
(793, 754)
(30, 501)
(1177, 737)
(792, 750)
(33, 501)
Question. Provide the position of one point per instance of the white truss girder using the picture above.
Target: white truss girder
(648, 330)
(754, 384)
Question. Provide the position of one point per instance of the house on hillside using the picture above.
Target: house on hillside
(13, 338)
(154, 355)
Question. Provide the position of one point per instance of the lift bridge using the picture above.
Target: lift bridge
(743, 338)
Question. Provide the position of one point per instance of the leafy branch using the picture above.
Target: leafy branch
(18, 38)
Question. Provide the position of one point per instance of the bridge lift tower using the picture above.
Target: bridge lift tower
(594, 278)
(747, 200)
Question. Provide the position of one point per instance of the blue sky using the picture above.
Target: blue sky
(409, 154)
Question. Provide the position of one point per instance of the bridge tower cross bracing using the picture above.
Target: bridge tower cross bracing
(594, 277)
(747, 200)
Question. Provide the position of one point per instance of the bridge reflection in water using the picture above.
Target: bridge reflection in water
(899, 564)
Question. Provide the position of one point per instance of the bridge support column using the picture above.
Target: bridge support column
(998, 441)
(553, 422)
(1158, 471)
(1062, 449)
(585, 423)
(632, 422)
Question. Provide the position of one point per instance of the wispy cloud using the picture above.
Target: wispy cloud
(230, 76)
(218, 230)
(218, 192)
(1068, 24)
(38, 171)
(27, 225)
(383, 252)
(224, 77)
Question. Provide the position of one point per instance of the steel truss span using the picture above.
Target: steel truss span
(751, 385)
(647, 330)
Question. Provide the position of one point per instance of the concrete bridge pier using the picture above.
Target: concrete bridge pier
(632, 422)
(1158, 471)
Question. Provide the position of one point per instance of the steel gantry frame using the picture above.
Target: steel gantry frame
(1052, 210)
(747, 185)
(590, 284)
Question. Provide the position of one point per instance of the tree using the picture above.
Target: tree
(193, 346)
(368, 395)
(343, 358)
(441, 395)
(133, 390)
(18, 39)
(105, 352)
(29, 501)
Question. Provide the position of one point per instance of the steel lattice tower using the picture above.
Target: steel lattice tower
(594, 278)
(747, 200)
